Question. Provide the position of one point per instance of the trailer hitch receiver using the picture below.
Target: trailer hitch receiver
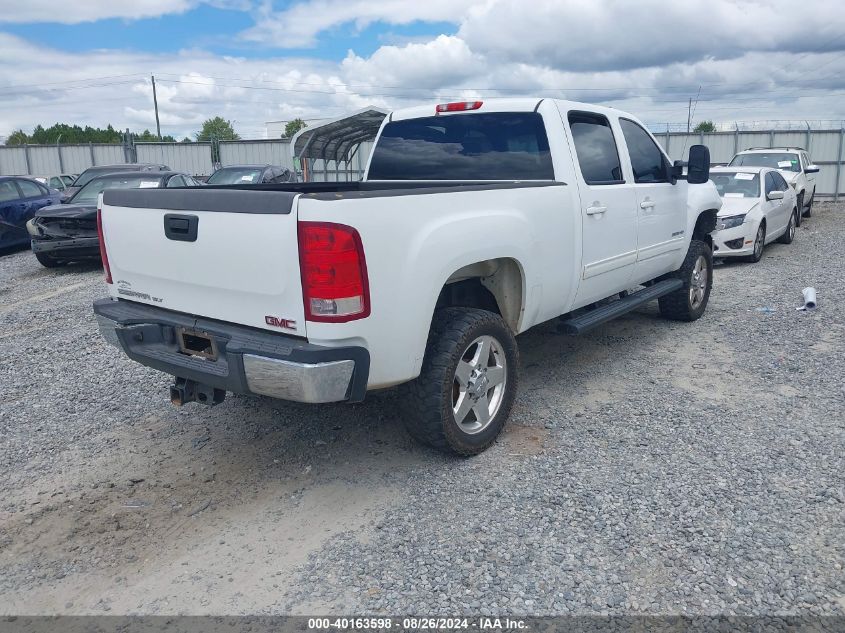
(184, 391)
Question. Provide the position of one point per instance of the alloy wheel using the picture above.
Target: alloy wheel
(479, 384)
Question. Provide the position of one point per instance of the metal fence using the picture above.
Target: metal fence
(824, 146)
(277, 152)
(192, 158)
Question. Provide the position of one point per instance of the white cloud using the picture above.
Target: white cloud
(12, 11)
(596, 36)
(749, 62)
(39, 11)
(443, 61)
(299, 26)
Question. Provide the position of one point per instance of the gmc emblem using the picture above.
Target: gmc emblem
(287, 324)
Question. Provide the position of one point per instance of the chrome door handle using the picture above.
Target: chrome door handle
(647, 204)
(596, 210)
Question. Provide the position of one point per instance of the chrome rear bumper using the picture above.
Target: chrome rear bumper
(248, 360)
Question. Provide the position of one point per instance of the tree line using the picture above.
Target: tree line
(213, 129)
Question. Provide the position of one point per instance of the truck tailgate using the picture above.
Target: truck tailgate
(222, 254)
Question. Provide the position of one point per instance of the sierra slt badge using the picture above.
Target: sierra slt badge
(287, 324)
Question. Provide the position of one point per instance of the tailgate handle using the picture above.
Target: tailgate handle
(182, 228)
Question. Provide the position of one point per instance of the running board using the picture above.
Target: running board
(587, 321)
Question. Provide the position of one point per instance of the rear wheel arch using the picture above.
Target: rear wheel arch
(496, 285)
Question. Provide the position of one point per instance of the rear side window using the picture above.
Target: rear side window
(491, 146)
(8, 191)
(647, 160)
(31, 189)
(596, 148)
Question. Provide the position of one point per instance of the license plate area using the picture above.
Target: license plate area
(196, 343)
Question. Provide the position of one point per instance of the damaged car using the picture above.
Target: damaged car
(67, 232)
(20, 199)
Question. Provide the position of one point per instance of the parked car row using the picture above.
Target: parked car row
(765, 193)
(57, 212)
(67, 232)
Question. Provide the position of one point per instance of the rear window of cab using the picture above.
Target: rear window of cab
(482, 146)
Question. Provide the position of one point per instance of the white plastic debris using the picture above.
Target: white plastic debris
(809, 299)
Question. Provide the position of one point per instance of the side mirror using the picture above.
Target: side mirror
(812, 169)
(774, 195)
(698, 166)
(676, 171)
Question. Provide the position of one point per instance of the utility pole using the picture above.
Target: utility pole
(155, 105)
(689, 108)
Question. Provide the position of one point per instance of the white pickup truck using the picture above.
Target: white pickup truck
(474, 222)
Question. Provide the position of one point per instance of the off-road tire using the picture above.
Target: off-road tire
(789, 234)
(426, 402)
(678, 305)
(48, 262)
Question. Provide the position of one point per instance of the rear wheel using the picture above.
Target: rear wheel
(47, 261)
(759, 244)
(466, 389)
(689, 302)
(787, 237)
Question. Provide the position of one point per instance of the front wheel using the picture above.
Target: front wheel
(809, 212)
(759, 244)
(466, 388)
(690, 301)
(800, 201)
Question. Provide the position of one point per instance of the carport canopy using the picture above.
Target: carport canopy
(334, 139)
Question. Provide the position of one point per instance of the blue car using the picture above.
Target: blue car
(20, 198)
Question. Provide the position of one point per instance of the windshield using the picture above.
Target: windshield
(235, 176)
(736, 184)
(67, 180)
(776, 160)
(88, 194)
(494, 146)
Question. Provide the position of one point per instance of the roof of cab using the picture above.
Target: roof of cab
(508, 104)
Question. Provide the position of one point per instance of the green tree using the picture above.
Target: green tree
(293, 127)
(705, 126)
(148, 137)
(214, 130)
(18, 137)
(217, 129)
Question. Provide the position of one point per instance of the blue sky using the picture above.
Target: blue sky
(254, 61)
(216, 30)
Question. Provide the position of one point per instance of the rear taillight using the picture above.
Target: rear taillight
(334, 272)
(459, 106)
(103, 254)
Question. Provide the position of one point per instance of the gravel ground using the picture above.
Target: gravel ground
(648, 467)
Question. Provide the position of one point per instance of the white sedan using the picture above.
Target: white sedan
(758, 207)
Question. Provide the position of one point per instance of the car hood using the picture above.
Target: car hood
(80, 211)
(789, 176)
(737, 206)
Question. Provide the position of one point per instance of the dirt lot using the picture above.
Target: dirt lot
(649, 467)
